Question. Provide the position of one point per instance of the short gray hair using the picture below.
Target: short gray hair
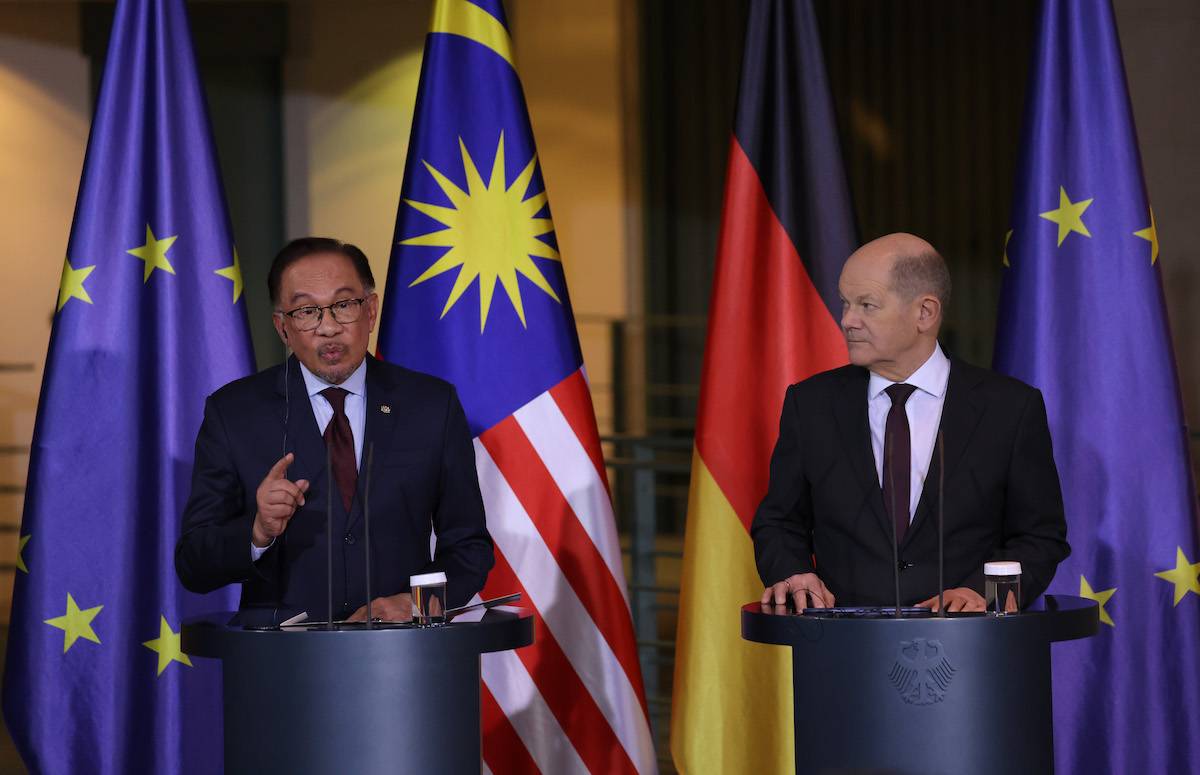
(922, 273)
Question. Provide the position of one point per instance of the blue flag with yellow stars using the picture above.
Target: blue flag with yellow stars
(1082, 317)
(148, 320)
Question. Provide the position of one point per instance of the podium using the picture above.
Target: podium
(362, 701)
(965, 693)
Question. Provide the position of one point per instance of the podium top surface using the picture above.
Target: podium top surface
(1054, 618)
(499, 629)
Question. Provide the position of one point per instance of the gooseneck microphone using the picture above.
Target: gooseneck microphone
(367, 529)
(329, 537)
(892, 518)
(941, 442)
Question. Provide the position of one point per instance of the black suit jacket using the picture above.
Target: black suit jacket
(423, 478)
(824, 509)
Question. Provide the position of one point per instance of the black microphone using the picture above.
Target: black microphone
(367, 528)
(941, 441)
(892, 518)
(329, 536)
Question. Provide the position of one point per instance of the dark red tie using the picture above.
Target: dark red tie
(897, 459)
(339, 439)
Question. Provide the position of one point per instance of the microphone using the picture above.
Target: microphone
(329, 536)
(367, 529)
(892, 518)
(941, 442)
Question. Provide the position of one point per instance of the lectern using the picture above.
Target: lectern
(363, 701)
(967, 693)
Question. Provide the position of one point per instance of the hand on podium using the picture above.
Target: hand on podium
(964, 599)
(806, 589)
(278, 500)
(396, 608)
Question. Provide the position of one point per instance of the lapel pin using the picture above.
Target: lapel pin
(385, 408)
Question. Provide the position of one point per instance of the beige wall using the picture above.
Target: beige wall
(347, 111)
(44, 107)
(569, 58)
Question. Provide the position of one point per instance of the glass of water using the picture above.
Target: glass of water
(429, 599)
(1001, 579)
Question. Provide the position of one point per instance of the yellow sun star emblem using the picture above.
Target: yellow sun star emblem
(492, 232)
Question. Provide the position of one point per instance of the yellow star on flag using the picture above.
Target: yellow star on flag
(166, 645)
(1185, 575)
(1101, 597)
(1150, 234)
(20, 559)
(75, 623)
(1068, 216)
(1004, 258)
(71, 284)
(233, 272)
(154, 253)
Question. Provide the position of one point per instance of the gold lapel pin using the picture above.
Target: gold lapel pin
(385, 408)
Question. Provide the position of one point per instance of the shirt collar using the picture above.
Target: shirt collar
(356, 383)
(931, 378)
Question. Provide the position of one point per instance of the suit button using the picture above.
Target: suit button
(903, 566)
(349, 539)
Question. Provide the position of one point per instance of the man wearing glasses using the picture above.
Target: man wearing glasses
(279, 448)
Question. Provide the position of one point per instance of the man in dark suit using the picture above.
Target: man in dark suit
(394, 438)
(857, 459)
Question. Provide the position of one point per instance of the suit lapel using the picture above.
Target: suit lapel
(960, 416)
(381, 410)
(850, 408)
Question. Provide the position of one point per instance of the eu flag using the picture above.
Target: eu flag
(477, 296)
(1082, 318)
(149, 319)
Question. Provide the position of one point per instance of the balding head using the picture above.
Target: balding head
(893, 291)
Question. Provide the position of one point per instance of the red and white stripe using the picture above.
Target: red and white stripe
(573, 702)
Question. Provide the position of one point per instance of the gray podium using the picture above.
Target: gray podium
(363, 701)
(962, 694)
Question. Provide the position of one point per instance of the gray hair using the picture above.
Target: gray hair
(922, 273)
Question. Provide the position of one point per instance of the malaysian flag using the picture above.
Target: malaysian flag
(476, 295)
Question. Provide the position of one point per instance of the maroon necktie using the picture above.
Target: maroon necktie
(897, 459)
(339, 439)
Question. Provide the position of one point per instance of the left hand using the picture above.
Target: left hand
(396, 608)
(960, 599)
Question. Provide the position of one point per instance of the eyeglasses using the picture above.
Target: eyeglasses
(309, 318)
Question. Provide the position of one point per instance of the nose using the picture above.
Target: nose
(849, 318)
(328, 326)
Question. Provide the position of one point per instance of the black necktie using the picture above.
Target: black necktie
(339, 439)
(897, 459)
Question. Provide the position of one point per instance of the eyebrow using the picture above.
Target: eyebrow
(298, 295)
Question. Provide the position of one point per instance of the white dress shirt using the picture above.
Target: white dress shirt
(924, 410)
(356, 411)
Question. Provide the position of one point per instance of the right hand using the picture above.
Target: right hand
(278, 500)
(806, 589)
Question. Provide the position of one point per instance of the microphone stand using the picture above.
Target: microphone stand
(329, 538)
(895, 540)
(367, 530)
(941, 524)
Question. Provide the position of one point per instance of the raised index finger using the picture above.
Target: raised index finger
(281, 466)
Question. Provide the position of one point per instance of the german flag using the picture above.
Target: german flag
(787, 229)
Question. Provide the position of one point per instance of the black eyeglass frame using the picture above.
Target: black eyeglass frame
(321, 312)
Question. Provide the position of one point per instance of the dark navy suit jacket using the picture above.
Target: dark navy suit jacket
(423, 479)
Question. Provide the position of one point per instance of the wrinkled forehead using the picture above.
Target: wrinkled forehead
(866, 271)
(319, 277)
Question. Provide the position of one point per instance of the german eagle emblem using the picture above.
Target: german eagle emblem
(921, 672)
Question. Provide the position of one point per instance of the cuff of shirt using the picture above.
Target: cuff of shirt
(257, 551)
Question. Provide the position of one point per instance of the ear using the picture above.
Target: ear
(929, 314)
(372, 311)
(277, 321)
